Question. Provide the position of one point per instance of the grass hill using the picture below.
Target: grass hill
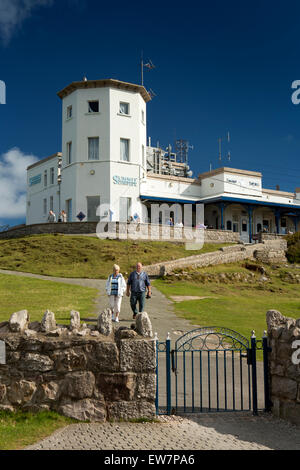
(86, 257)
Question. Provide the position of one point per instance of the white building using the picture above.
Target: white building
(106, 162)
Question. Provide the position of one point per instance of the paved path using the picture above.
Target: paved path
(213, 431)
(197, 432)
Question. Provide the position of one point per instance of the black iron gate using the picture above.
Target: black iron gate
(212, 369)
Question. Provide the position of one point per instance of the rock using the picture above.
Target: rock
(19, 321)
(79, 384)
(36, 363)
(137, 356)
(2, 392)
(21, 392)
(4, 327)
(47, 392)
(143, 325)
(55, 333)
(85, 410)
(125, 333)
(75, 320)
(129, 410)
(104, 322)
(35, 325)
(30, 333)
(95, 333)
(48, 322)
(83, 332)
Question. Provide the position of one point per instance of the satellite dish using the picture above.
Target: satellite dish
(190, 173)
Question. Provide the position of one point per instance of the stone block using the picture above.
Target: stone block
(131, 410)
(143, 325)
(48, 322)
(32, 362)
(79, 384)
(283, 387)
(117, 387)
(18, 322)
(69, 360)
(146, 386)
(103, 356)
(137, 355)
(21, 392)
(2, 392)
(75, 320)
(47, 392)
(104, 322)
(84, 410)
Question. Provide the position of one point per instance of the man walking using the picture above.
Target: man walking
(138, 283)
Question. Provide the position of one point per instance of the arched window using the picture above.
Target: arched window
(228, 225)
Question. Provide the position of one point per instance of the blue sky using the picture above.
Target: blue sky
(220, 66)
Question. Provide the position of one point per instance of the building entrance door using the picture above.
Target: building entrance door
(93, 202)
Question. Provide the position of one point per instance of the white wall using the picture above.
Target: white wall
(37, 192)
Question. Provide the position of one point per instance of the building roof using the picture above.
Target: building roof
(182, 179)
(102, 84)
(225, 169)
(40, 162)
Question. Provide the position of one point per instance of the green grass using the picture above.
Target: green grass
(86, 257)
(36, 296)
(20, 429)
(237, 305)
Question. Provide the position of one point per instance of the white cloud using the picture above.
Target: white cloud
(14, 12)
(13, 182)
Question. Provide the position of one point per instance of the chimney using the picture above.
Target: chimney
(297, 192)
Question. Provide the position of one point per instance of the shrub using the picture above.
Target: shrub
(293, 247)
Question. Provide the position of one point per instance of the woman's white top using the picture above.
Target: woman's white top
(121, 285)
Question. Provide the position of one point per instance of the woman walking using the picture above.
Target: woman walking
(115, 288)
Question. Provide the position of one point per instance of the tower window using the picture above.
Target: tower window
(124, 150)
(93, 106)
(93, 148)
(69, 112)
(69, 153)
(124, 108)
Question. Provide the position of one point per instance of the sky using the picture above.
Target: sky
(219, 67)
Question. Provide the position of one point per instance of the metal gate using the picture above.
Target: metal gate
(212, 369)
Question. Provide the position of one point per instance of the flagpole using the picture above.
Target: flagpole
(142, 69)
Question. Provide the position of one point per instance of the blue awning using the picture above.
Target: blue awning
(238, 200)
(166, 199)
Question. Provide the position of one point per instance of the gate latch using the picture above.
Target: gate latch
(249, 357)
(174, 369)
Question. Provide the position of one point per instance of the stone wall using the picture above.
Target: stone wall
(267, 252)
(116, 230)
(76, 370)
(284, 365)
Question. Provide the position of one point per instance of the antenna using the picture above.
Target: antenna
(220, 147)
(149, 66)
(151, 93)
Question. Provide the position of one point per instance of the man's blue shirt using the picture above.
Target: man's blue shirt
(138, 282)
